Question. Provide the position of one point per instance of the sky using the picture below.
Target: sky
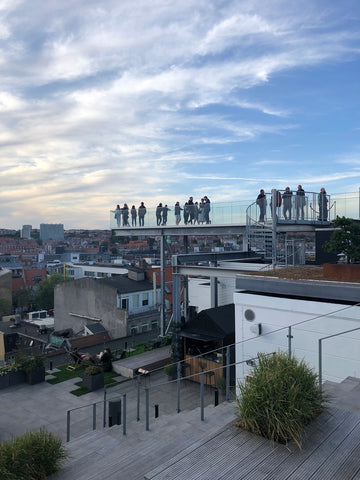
(107, 102)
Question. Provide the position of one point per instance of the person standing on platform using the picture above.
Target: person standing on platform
(262, 203)
(117, 214)
(159, 210)
(165, 211)
(300, 202)
(323, 205)
(125, 215)
(201, 218)
(133, 216)
(177, 212)
(141, 213)
(186, 213)
(287, 198)
(207, 210)
(191, 210)
(196, 212)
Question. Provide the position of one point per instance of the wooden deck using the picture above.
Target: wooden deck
(331, 451)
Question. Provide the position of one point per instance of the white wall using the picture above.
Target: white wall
(200, 296)
(341, 355)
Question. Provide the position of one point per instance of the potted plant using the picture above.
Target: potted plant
(4, 376)
(171, 371)
(93, 377)
(34, 368)
(16, 374)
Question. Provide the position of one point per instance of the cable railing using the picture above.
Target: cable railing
(168, 396)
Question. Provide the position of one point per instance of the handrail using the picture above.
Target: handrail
(320, 350)
(226, 365)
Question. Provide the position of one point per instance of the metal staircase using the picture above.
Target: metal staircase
(263, 237)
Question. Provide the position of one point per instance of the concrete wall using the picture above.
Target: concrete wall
(341, 355)
(5, 291)
(92, 299)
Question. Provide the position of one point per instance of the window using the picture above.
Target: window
(134, 330)
(154, 325)
(125, 303)
(144, 327)
(145, 299)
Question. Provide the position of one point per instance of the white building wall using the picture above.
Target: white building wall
(310, 321)
(200, 292)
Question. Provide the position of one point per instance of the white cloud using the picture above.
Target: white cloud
(102, 101)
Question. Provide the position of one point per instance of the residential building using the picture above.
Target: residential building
(124, 305)
(51, 231)
(26, 231)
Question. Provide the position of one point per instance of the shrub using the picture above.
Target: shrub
(281, 397)
(33, 363)
(93, 370)
(31, 456)
(171, 370)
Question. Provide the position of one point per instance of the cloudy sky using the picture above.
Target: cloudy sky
(106, 102)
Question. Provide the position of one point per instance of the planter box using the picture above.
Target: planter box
(36, 376)
(346, 271)
(4, 381)
(93, 382)
(15, 378)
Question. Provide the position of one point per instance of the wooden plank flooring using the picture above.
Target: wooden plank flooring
(331, 451)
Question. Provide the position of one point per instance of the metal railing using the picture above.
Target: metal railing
(234, 213)
(139, 390)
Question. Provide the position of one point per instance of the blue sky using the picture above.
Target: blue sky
(122, 101)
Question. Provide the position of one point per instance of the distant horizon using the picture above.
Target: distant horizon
(114, 102)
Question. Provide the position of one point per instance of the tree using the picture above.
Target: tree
(44, 294)
(24, 297)
(345, 239)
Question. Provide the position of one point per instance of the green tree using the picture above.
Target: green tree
(44, 294)
(345, 239)
(24, 297)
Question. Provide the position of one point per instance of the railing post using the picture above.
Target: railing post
(202, 396)
(94, 416)
(124, 414)
(289, 341)
(147, 408)
(138, 398)
(227, 395)
(68, 426)
(320, 363)
(104, 410)
(178, 386)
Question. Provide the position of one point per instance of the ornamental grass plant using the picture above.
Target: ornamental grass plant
(31, 456)
(280, 398)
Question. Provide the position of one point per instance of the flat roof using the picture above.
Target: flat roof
(315, 289)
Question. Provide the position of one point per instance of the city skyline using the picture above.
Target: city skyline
(103, 103)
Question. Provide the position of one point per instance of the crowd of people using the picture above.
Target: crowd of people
(191, 212)
(286, 200)
(198, 212)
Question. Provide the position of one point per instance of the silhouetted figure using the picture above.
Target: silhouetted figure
(262, 203)
(300, 202)
(323, 205)
(287, 197)
(141, 213)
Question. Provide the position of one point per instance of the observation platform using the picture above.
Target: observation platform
(226, 218)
